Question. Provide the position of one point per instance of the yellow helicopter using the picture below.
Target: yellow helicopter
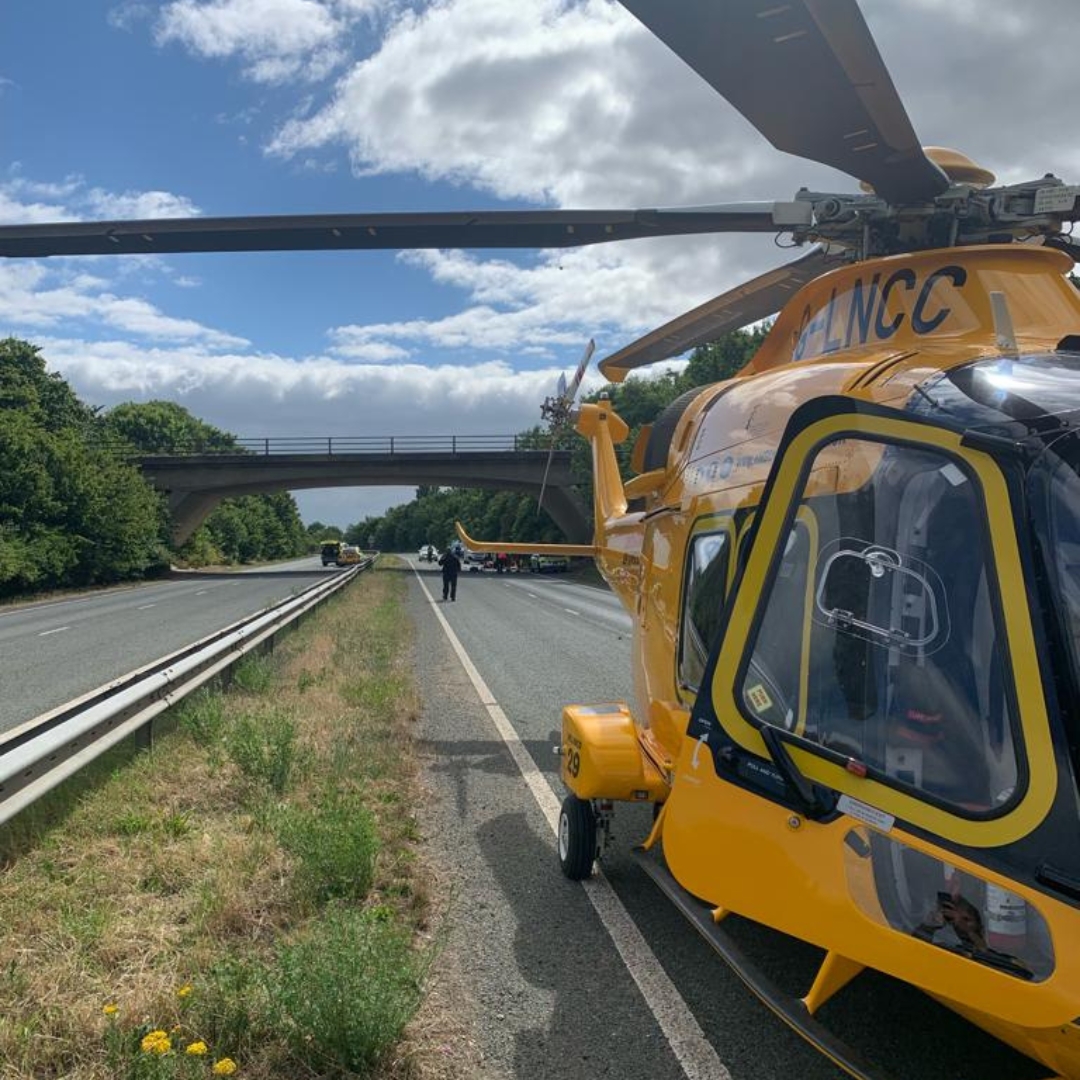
(854, 569)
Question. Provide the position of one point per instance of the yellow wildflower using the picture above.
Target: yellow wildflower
(224, 1067)
(110, 1009)
(184, 990)
(156, 1042)
(196, 1048)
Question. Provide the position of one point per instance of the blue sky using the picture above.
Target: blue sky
(120, 108)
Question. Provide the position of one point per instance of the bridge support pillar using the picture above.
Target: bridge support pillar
(189, 509)
(568, 510)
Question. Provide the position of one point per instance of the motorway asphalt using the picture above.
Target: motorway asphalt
(537, 975)
(56, 650)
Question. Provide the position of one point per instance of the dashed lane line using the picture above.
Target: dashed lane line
(688, 1043)
(58, 630)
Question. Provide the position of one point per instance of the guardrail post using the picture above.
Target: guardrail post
(391, 444)
(330, 447)
(453, 444)
(267, 444)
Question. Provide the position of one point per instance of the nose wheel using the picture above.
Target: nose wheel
(577, 838)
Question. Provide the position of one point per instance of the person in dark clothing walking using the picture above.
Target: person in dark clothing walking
(451, 565)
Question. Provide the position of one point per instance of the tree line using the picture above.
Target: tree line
(75, 511)
(515, 517)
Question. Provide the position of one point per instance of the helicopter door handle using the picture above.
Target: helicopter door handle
(1058, 880)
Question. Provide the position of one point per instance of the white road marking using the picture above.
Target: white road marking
(202, 592)
(694, 1052)
(58, 630)
(533, 595)
(571, 611)
(143, 607)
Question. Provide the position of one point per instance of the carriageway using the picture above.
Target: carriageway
(196, 478)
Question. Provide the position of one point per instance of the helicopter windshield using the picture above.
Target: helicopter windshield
(1054, 484)
(903, 663)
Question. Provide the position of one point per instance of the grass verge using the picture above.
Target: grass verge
(245, 898)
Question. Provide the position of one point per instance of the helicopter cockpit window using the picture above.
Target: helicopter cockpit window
(706, 577)
(900, 639)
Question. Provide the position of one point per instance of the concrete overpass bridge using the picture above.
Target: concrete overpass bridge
(195, 479)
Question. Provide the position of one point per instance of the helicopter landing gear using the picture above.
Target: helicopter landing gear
(584, 834)
(577, 838)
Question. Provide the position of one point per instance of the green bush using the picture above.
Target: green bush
(334, 846)
(253, 674)
(342, 994)
(264, 749)
(202, 716)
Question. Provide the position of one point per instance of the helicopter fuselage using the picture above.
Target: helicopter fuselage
(854, 656)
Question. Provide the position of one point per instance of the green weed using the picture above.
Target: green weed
(202, 716)
(264, 749)
(342, 995)
(254, 674)
(334, 846)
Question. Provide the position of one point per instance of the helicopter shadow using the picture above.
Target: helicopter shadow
(458, 760)
(594, 1027)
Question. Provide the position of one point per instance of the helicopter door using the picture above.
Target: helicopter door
(877, 627)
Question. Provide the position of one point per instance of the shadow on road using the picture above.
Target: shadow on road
(595, 1027)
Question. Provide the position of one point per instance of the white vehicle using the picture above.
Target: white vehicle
(429, 553)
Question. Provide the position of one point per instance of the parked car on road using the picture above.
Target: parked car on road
(549, 564)
(429, 553)
(349, 555)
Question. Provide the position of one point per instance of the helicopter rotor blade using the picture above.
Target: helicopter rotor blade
(808, 76)
(753, 300)
(319, 232)
(570, 393)
(559, 411)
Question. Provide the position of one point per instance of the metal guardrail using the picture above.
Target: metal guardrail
(338, 444)
(38, 755)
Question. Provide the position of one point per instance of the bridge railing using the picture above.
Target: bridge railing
(338, 444)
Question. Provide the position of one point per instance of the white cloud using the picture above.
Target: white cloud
(276, 40)
(255, 394)
(128, 15)
(35, 295)
(71, 199)
(138, 205)
(511, 98)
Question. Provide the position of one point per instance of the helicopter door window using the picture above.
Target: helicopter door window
(918, 894)
(703, 599)
(771, 692)
(901, 638)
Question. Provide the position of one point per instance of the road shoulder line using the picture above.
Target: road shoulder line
(695, 1054)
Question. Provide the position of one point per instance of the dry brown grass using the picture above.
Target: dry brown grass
(146, 877)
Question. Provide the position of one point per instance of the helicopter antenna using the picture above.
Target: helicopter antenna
(557, 411)
(1003, 325)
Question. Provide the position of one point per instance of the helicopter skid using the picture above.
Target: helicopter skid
(789, 1009)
